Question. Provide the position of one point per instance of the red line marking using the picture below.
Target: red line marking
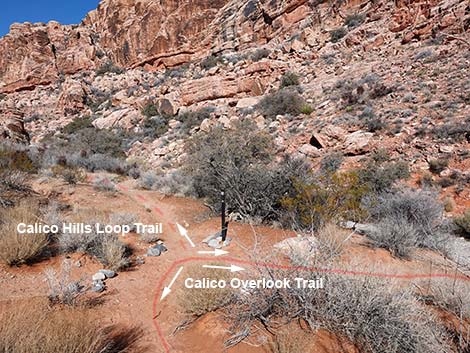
(140, 197)
(123, 188)
(160, 284)
(172, 226)
(158, 210)
(183, 245)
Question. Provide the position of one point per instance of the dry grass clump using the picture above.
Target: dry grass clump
(106, 248)
(35, 327)
(17, 249)
(331, 240)
(62, 289)
(197, 301)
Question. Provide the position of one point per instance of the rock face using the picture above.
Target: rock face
(12, 127)
(134, 33)
(166, 33)
(152, 32)
(31, 55)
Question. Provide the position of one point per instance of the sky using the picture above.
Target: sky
(63, 11)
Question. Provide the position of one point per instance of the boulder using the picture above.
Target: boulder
(108, 273)
(99, 276)
(247, 102)
(357, 143)
(309, 151)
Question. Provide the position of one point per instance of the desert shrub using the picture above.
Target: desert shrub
(454, 131)
(289, 79)
(62, 289)
(238, 161)
(438, 165)
(337, 34)
(78, 124)
(462, 224)
(36, 327)
(373, 314)
(259, 54)
(147, 180)
(396, 235)
(285, 101)
(331, 162)
(148, 237)
(112, 253)
(306, 109)
(106, 248)
(150, 110)
(15, 248)
(453, 297)
(173, 182)
(329, 198)
(124, 218)
(210, 61)
(417, 213)
(98, 162)
(197, 301)
(155, 126)
(103, 184)
(426, 180)
(380, 174)
(354, 20)
(108, 67)
(86, 141)
(13, 180)
(331, 241)
(71, 175)
(191, 119)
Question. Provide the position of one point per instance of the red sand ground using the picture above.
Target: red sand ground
(131, 296)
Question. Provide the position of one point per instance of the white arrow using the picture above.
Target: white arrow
(184, 233)
(167, 290)
(216, 252)
(232, 268)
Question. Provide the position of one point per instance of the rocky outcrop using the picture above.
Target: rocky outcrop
(12, 127)
(35, 54)
(156, 33)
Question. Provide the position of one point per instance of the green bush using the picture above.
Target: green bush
(289, 79)
(108, 67)
(337, 34)
(436, 166)
(380, 174)
(191, 119)
(285, 101)
(354, 20)
(331, 197)
(463, 224)
(150, 110)
(306, 109)
(155, 126)
(78, 124)
(210, 61)
(239, 161)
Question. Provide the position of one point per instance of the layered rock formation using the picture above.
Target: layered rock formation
(156, 34)
(34, 54)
